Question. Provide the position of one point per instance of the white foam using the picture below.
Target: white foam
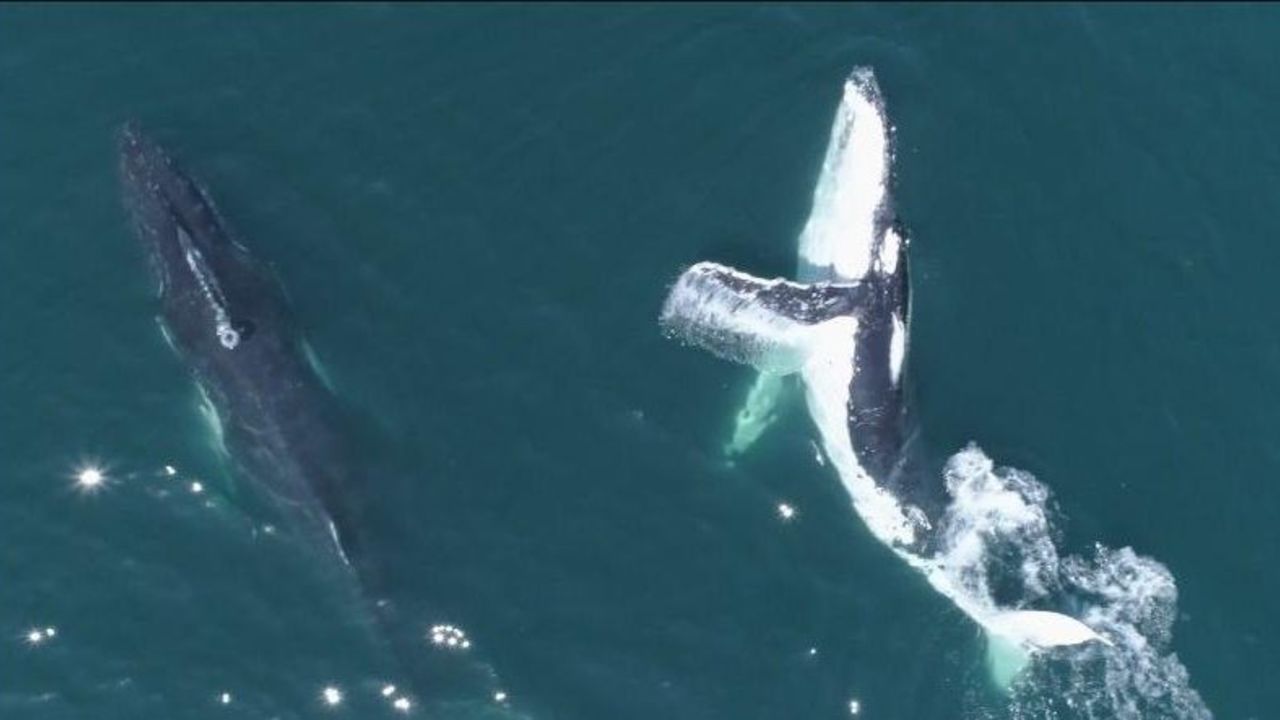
(840, 233)
(997, 533)
(996, 538)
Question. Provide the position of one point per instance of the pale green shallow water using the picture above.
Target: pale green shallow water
(477, 212)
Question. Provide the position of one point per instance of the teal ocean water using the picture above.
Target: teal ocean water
(477, 213)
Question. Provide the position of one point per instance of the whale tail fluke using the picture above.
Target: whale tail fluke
(1014, 635)
(771, 325)
(1042, 629)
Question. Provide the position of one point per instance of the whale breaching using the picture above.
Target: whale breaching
(842, 328)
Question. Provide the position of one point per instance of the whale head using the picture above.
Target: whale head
(214, 297)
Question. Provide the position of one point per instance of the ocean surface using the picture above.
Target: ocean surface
(477, 212)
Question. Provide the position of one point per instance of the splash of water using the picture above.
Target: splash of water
(997, 548)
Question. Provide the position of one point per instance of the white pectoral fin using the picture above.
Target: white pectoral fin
(1038, 629)
(842, 237)
(758, 412)
(770, 325)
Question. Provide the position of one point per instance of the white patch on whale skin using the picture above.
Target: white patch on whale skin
(210, 413)
(897, 349)
(333, 532)
(888, 259)
(321, 372)
(168, 336)
(227, 335)
(840, 233)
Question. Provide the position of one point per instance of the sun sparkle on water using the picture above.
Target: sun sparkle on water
(90, 478)
(332, 696)
(450, 637)
(36, 636)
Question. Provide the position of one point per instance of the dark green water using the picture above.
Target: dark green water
(477, 213)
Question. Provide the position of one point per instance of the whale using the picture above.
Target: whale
(279, 425)
(842, 329)
(227, 317)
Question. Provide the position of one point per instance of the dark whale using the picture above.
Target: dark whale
(228, 318)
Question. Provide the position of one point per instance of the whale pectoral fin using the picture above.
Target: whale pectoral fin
(770, 325)
(758, 413)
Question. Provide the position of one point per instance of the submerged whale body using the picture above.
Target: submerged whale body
(227, 317)
(843, 330)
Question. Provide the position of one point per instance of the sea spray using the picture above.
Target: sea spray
(997, 548)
